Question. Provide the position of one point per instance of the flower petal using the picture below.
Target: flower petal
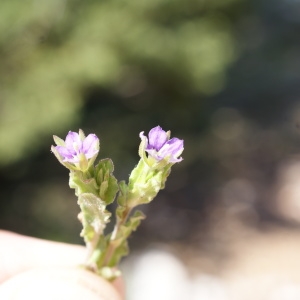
(173, 148)
(90, 145)
(64, 152)
(71, 139)
(157, 138)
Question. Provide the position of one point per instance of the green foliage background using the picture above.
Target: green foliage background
(53, 51)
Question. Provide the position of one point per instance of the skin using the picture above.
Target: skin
(36, 269)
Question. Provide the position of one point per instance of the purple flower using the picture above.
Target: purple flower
(75, 147)
(159, 145)
(76, 150)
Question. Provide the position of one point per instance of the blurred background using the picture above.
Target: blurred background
(224, 75)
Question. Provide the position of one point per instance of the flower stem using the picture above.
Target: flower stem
(112, 246)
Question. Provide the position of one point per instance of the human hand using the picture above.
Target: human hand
(36, 269)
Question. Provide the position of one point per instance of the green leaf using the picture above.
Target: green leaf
(96, 254)
(120, 242)
(122, 200)
(165, 175)
(108, 184)
(82, 184)
(94, 218)
(144, 191)
(145, 182)
(120, 212)
(135, 221)
(138, 174)
(121, 251)
(123, 193)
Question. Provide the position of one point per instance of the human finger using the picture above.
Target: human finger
(20, 253)
(58, 283)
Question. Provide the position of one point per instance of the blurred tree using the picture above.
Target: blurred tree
(52, 52)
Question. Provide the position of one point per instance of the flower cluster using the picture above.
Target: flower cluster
(96, 187)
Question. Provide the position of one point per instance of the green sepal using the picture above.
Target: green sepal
(138, 174)
(60, 159)
(145, 183)
(94, 218)
(82, 184)
(142, 147)
(165, 174)
(81, 134)
(58, 141)
(108, 184)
